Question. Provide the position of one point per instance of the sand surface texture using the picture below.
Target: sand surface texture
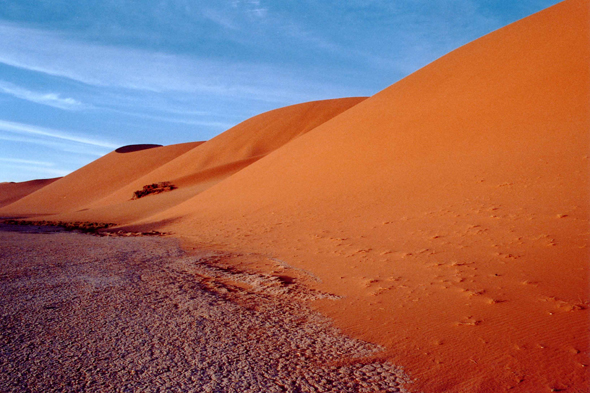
(86, 313)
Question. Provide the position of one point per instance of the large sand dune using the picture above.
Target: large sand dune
(449, 211)
(226, 154)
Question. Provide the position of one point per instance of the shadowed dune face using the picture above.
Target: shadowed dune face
(132, 148)
(450, 210)
(12, 192)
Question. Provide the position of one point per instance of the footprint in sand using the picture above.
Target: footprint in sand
(566, 306)
(495, 301)
(469, 321)
(474, 292)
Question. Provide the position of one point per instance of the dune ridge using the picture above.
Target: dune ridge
(240, 146)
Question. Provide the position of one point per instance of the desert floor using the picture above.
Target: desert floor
(88, 313)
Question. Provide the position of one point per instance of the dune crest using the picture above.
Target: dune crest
(240, 146)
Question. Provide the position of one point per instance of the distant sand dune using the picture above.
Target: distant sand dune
(102, 191)
(96, 180)
(12, 192)
(238, 147)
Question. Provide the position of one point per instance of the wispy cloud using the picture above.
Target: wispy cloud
(256, 9)
(49, 99)
(175, 119)
(30, 162)
(77, 149)
(55, 54)
(219, 17)
(22, 172)
(208, 123)
(250, 8)
(27, 129)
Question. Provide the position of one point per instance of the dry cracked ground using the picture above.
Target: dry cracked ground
(81, 313)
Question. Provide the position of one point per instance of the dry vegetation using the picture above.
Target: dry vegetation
(84, 226)
(154, 188)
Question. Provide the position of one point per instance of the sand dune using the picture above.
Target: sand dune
(238, 147)
(96, 180)
(191, 171)
(449, 210)
(11, 192)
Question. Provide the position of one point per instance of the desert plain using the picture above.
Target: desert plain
(442, 225)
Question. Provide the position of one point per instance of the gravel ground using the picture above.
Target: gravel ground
(98, 314)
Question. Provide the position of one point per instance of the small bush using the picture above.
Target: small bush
(154, 188)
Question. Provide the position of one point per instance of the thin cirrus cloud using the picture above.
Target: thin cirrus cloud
(109, 66)
(29, 162)
(216, 124)
(35, 170)
(28, 130)
(75, 149)
(32, 166)
(50, 99)
(232, 17)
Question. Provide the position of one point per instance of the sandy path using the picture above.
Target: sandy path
(85, 313)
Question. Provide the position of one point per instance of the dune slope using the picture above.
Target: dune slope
(12, 192)
(207, 164)
(450, 211)
(240, 146)
(96, 180)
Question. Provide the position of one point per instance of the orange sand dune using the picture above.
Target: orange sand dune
(450, 211)
(96, 180)
(206, 165)
(239, 146)
(11, 192)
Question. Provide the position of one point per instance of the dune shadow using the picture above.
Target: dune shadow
(132, 148)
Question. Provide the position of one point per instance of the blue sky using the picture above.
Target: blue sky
(81, 78)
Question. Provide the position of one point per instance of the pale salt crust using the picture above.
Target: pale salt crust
(87, 313)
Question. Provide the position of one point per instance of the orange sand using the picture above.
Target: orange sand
(11, 192)
(450, 211)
